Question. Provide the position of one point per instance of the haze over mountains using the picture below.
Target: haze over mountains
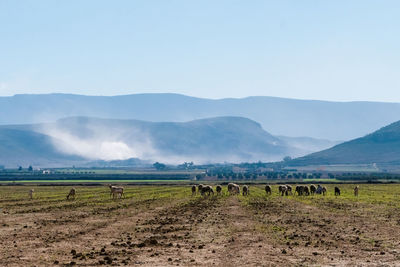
(220, 139)
(279, 116)
(159, 127)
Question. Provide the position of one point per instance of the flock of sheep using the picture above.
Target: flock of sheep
(301, 190)
(208, 189)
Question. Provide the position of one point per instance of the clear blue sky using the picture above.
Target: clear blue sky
(333, 50)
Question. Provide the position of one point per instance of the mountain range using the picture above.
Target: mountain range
(279, 116)
(82, 139)
(170, 128)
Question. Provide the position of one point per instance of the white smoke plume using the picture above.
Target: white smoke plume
(103, 144)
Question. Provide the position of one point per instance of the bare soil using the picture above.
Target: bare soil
(199, 231)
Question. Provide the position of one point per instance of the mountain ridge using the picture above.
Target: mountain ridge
(218, 139)
(380, 147)
(281, 116)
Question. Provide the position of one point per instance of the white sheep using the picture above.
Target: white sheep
(233, 188)
(283, 190)
(115, 191)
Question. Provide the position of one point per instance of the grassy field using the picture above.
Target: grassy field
(165, 225)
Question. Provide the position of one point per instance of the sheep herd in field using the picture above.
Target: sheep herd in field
(207, 190)
(117, 192)
(283, 190)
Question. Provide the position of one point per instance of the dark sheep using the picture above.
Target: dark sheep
(245, 190)
(268, 190)
(289, 189)
(313, 189)
(337, 191)
(71, 194)
(300, 190)
(218, 188)
(207, 189)
(319, 190)
(356, 190)
(193, 190)
(199, 188)
(306, 190)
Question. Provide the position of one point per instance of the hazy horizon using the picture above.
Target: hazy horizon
(193, 96)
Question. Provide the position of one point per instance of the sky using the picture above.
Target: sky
(342, 50)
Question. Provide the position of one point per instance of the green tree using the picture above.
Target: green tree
(287, 159)
(159, 166)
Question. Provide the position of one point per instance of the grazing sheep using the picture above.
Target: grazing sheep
(268, 190)
(207, 189)
(71, 193)
(313, 189)
(236, 189)
(324, 190)
(318, 190)
(31, 193)
(230, 187)
(199, 188)
(289, 189)
(193, 190)
(306, 190)
(218, 188)
(233, 188)
(337, 191)
(300, 190)
(115, 191)
(245, 190)
(282, 190)
(356, 190)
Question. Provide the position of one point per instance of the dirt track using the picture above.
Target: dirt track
(178, 229)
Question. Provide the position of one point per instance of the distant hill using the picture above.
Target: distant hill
(381, 147)
(220, 139)
(305, 145)
(230, 139)
(18, 147)
(280, 116)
